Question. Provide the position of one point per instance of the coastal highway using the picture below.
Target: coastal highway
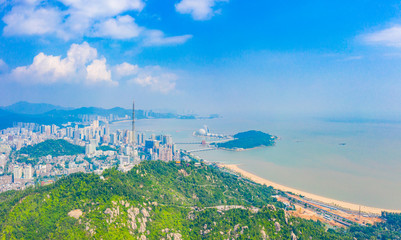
(333, 215)
(336, 214)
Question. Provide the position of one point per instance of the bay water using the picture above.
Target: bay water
(354, 162)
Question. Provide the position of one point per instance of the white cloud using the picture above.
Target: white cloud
(156, 79)
(122, 27)
(157, 38)
(102, 8)
(81, 64)
(33, 17)
(125, 69)
(81, 54)
(387, 37)
(69, 19)
(97, 72)
(28, 20)
(199, 9)
(45, 69)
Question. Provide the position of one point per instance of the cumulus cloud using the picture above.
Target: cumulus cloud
(157, 38)
(81, 64)
(28, 20)
(45, 68)
(97, 72)
(156, 79)
(81, 54)
(199, 9)
(69, 19)
(76, 19)
(126, 69)
(102, 8)
(387, 37)
(122, 27)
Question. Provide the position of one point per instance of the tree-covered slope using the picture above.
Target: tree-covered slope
(59, 147)
(155, 200)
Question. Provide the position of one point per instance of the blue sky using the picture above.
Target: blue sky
(324, 58)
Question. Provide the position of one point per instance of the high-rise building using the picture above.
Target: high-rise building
(17, 172)
(95, 124)
(90, 148)
(107, 130)
(124, 160)
(113, 138)
(133, 124)
(140, 138)
(167, 140)
(28, 172)
(165, 153)
(53, 129)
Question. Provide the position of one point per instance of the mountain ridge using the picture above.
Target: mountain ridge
(19, 112)
(24, 107)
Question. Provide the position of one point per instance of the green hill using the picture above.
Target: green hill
(59, 147)
(158, 200)
(249, 139)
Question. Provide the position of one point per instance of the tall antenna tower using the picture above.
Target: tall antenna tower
(133, 123)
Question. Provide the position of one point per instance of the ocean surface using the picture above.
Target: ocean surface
(354, 162)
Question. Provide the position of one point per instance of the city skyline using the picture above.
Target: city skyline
(310, 58)
(200, 119)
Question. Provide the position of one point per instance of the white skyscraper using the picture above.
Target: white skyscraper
(17, 172)
(28, 172)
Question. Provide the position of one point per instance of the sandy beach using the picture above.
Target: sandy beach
(333, 202)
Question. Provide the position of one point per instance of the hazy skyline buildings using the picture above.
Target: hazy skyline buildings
(133, 124)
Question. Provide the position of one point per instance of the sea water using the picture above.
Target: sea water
(354, 162)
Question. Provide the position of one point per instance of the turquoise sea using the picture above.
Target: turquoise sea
(310, 155)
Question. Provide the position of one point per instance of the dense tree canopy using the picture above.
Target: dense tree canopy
(55, 148)
(155, 200)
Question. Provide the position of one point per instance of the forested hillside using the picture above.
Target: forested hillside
(155, 200)
(52, 147)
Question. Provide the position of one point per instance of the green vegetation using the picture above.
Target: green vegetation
(157, 200)
(59, 147)
(106, 148)
(390, 229)
(249, 139)
(27, 160)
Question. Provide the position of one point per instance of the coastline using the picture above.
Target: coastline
(326, 200)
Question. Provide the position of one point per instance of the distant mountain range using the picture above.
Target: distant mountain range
(32, 108)
(43, 113)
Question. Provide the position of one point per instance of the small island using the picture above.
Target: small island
(248, 140)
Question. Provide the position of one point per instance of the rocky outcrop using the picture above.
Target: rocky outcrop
(75, 213)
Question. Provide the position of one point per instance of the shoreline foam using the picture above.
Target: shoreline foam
(326, 200)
